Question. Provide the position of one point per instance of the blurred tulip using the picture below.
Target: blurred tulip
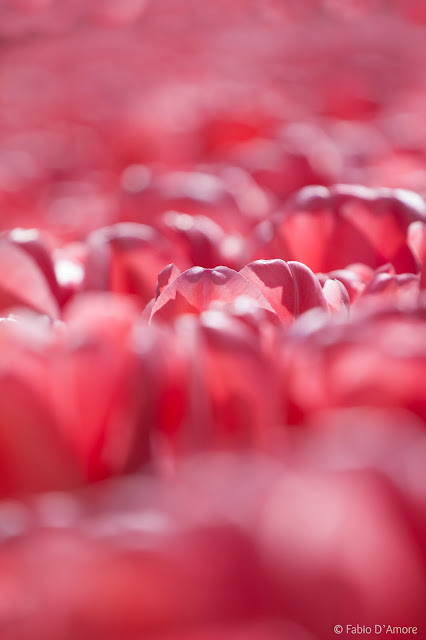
(374, 360)
(361, 225)
(125, 259)
(23, 282)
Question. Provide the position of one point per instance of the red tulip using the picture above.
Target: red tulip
(374, 360)
(275, 286)
(354, 279)
(34, 454)
(194, 291)
(402, 288)
(125, 259)
(329, 229)
(23, 283)
(226, 409)
(96, 380)
(290, 288)
(417, 241)
(203, 242)
(336, 295)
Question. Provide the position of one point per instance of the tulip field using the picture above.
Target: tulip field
(212, 319)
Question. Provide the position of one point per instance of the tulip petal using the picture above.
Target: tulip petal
(22, 282)
(33, 456)
(417, 242)
(126, 258)
(194, 290)
(290, 288)
(328, 229)
(336, 295)
(308, 290)
(166, 277)
(275, 280)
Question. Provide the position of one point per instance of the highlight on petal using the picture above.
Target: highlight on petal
(22, 283)
(36, 246)
(354, 279)
(166, 277)
(195, 289)
(337, 297)
(290, 288)
(417, 242)
(200, 237)
(275, 280)
(309, 292)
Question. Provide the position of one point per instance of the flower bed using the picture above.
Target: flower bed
(212, 319)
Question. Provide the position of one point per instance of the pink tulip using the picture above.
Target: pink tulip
(96, 379)
(194, 290)
(374, 360)
(125, 259)
(329, 229)
(275, 286)
(23, 282)
(290, 288)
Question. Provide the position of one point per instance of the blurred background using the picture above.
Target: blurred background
(99, 99)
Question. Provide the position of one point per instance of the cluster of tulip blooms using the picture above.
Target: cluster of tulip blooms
(212, 338)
